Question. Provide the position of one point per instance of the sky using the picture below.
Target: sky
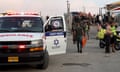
(53, 7)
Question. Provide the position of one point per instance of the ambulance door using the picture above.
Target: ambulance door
(55, 32)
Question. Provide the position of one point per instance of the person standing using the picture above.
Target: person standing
(114, 35)
(87, 29)
(79, 34)
(107, 37)
(74, 25)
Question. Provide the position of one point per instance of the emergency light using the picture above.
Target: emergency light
(21, 48)
(22, 13)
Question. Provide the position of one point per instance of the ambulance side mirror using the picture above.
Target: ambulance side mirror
(48, 28)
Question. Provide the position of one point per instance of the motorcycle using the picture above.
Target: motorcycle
(101, 43)
(117, 43)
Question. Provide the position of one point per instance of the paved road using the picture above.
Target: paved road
(93, 59)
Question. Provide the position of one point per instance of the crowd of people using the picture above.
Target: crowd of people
(107, 33)
(106, 30)
(80, 29)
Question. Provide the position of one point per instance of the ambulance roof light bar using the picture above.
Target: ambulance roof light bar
(22, 13)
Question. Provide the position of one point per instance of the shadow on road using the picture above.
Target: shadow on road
(16, 68)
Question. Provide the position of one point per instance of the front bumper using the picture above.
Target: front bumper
(21, 58)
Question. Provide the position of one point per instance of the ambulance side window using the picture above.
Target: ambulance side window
(55, 24)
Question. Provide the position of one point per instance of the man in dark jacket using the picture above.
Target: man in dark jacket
(79, 33)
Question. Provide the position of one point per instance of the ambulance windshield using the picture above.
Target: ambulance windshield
(21, 24)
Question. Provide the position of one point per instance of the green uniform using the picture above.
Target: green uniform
(79, 33)
(113, 28)
(101, 33)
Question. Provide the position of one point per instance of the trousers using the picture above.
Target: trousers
(79, 45)
(107, 38)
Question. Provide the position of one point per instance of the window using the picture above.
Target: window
(33, 24)
(57, 24)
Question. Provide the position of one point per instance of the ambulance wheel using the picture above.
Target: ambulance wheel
(2, 67)
(45, 63)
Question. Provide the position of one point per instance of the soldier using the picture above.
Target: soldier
(107, 37)
(79, 35)
(74, 25)
(114, 35)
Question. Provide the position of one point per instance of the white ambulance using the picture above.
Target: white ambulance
(22, 39)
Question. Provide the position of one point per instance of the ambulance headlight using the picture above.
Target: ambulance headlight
(37, 42)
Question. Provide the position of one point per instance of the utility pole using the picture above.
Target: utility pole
(100, 11)
(84, 9)
(68, 15)
(68, 7)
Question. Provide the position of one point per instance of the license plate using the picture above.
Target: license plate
(13, 59)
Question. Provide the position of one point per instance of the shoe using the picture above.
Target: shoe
(107, 55)
(113, 51)
(80, 51)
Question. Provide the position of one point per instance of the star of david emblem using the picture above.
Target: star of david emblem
(56, 42)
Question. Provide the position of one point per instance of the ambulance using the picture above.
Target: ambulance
(24, 40)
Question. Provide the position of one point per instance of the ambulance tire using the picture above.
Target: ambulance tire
(3, 67)
(45, 63)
